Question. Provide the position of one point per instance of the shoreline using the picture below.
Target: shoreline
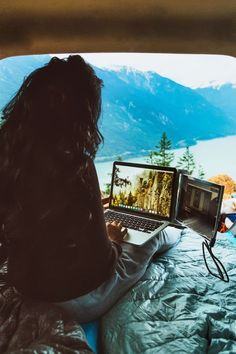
(103, 159)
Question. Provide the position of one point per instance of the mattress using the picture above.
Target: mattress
(177, 306)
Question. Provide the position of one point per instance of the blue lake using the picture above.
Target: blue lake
(216, 156)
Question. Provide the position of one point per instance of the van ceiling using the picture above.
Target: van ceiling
(159, 26)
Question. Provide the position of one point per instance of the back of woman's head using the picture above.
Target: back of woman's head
(58, 103)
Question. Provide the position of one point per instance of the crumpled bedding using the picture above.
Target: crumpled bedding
(29, 327)
(177, 307)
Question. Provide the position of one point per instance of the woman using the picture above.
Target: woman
(53, 235)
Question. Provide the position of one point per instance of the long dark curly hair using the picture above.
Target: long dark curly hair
(49, 135)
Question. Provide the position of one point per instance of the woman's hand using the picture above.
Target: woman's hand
(116, 232)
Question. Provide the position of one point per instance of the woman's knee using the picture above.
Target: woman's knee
(168, 238)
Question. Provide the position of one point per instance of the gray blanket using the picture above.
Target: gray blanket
(177, 307)
(29, 327)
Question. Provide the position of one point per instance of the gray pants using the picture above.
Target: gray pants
(131, 266)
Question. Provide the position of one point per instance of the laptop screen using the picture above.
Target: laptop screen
(199, 205)
(143, 189)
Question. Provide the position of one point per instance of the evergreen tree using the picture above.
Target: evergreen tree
(201, 173)
(119, 158)
(107, 190)
(163, 156)
(151, 158)
(186, 162)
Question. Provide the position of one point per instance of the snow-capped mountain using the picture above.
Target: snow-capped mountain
(221, 96)
(139, 106)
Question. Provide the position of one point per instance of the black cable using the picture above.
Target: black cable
(222, 273)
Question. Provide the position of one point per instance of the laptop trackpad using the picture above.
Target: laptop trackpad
(139, 238)
(136, 237)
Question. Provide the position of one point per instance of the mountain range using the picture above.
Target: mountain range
(139, 106)
(223, 96)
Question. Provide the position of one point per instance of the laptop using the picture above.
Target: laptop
(143, 199)
(148, 198)
(199, 205)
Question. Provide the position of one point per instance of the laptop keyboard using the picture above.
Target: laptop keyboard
(132, 222)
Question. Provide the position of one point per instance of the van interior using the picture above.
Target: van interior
(177, 306)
